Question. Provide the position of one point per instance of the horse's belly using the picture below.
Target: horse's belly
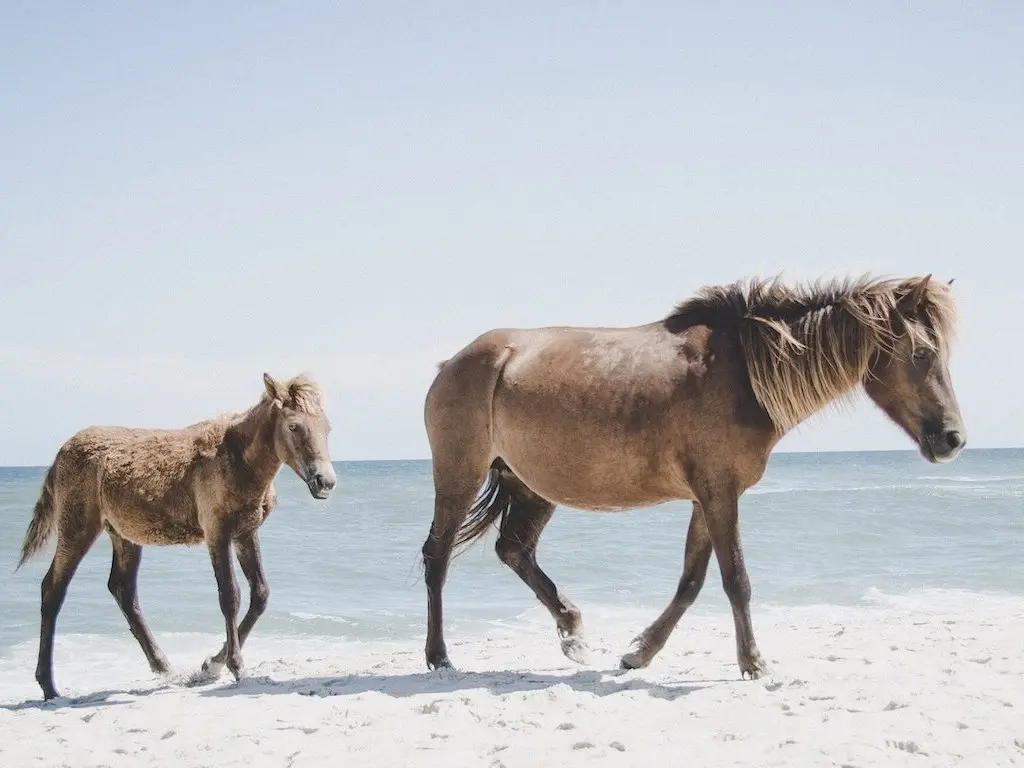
(602, 488)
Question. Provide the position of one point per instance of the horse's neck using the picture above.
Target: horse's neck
(255, 431)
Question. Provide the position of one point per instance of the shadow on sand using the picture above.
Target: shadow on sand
(450, 681)
(108, 698)
(398, 686)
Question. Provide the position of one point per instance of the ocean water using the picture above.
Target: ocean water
(834, 529)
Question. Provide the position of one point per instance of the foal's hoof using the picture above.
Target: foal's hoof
(753, 668)
(46, 685)
(439, 662)
(575, 648)
(51, 694)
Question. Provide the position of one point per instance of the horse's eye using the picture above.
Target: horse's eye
(922, 353)
(293, 427)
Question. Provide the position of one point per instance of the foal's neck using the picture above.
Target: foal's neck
(255, 432)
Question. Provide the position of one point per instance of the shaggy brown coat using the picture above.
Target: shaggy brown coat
(209, 482)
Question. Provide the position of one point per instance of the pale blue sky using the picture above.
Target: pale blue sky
(194, 193)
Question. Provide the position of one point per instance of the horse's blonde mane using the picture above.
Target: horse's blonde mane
(810, 345)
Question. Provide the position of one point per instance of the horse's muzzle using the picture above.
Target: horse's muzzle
(942, 446)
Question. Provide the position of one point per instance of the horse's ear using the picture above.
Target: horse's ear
(274, 389)
(951, 281)
(913, 298)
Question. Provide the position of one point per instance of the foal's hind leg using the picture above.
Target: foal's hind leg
(247, 550)
(123, 585)
(695, 567)
(517, 548)
(72, 545)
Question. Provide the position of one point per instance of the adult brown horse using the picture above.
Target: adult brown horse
(689, 407)
(212, 482)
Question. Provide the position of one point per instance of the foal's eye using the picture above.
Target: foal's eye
(293, 427)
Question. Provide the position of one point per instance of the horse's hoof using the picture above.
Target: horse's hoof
(209, 673)
(161, 668)
(753, 668)
(212, 669)
(51, 694)
(575, 648)
(633, 660)
(638, 656)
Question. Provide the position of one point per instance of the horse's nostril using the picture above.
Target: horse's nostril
(954, 439)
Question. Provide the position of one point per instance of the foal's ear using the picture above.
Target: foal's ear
(951, 281)
(275, 389)
(915, 295)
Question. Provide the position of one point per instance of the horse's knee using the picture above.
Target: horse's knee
(259, 597)
(436, 553)
(509, 552)
(737, 586)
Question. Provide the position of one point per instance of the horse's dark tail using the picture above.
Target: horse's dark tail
(493, 503)
(44, 519)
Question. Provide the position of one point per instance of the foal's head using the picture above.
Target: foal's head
(300, 431)
(909, 377)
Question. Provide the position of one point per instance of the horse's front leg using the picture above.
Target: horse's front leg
(247, 550)
(695, 567)
(721, 513)
(220, 555)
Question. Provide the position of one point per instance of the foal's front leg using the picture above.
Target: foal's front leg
(247, 549)
(220, 555)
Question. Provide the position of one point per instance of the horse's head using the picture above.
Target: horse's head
(909, 377)
(300, 432)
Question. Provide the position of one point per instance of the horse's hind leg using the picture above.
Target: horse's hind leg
(457, 415)
(524, 522)
(72, 545)
(450, 510)
(247, 550)
(695, 567)
(123, 585)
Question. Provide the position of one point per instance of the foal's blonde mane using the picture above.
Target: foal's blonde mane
(304, 394)
(810, 345)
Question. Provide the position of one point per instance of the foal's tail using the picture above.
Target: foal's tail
(44, 520)
(494, 501)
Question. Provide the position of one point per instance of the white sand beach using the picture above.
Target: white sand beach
(936, 679)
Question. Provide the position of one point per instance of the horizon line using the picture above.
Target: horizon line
(789, 453)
